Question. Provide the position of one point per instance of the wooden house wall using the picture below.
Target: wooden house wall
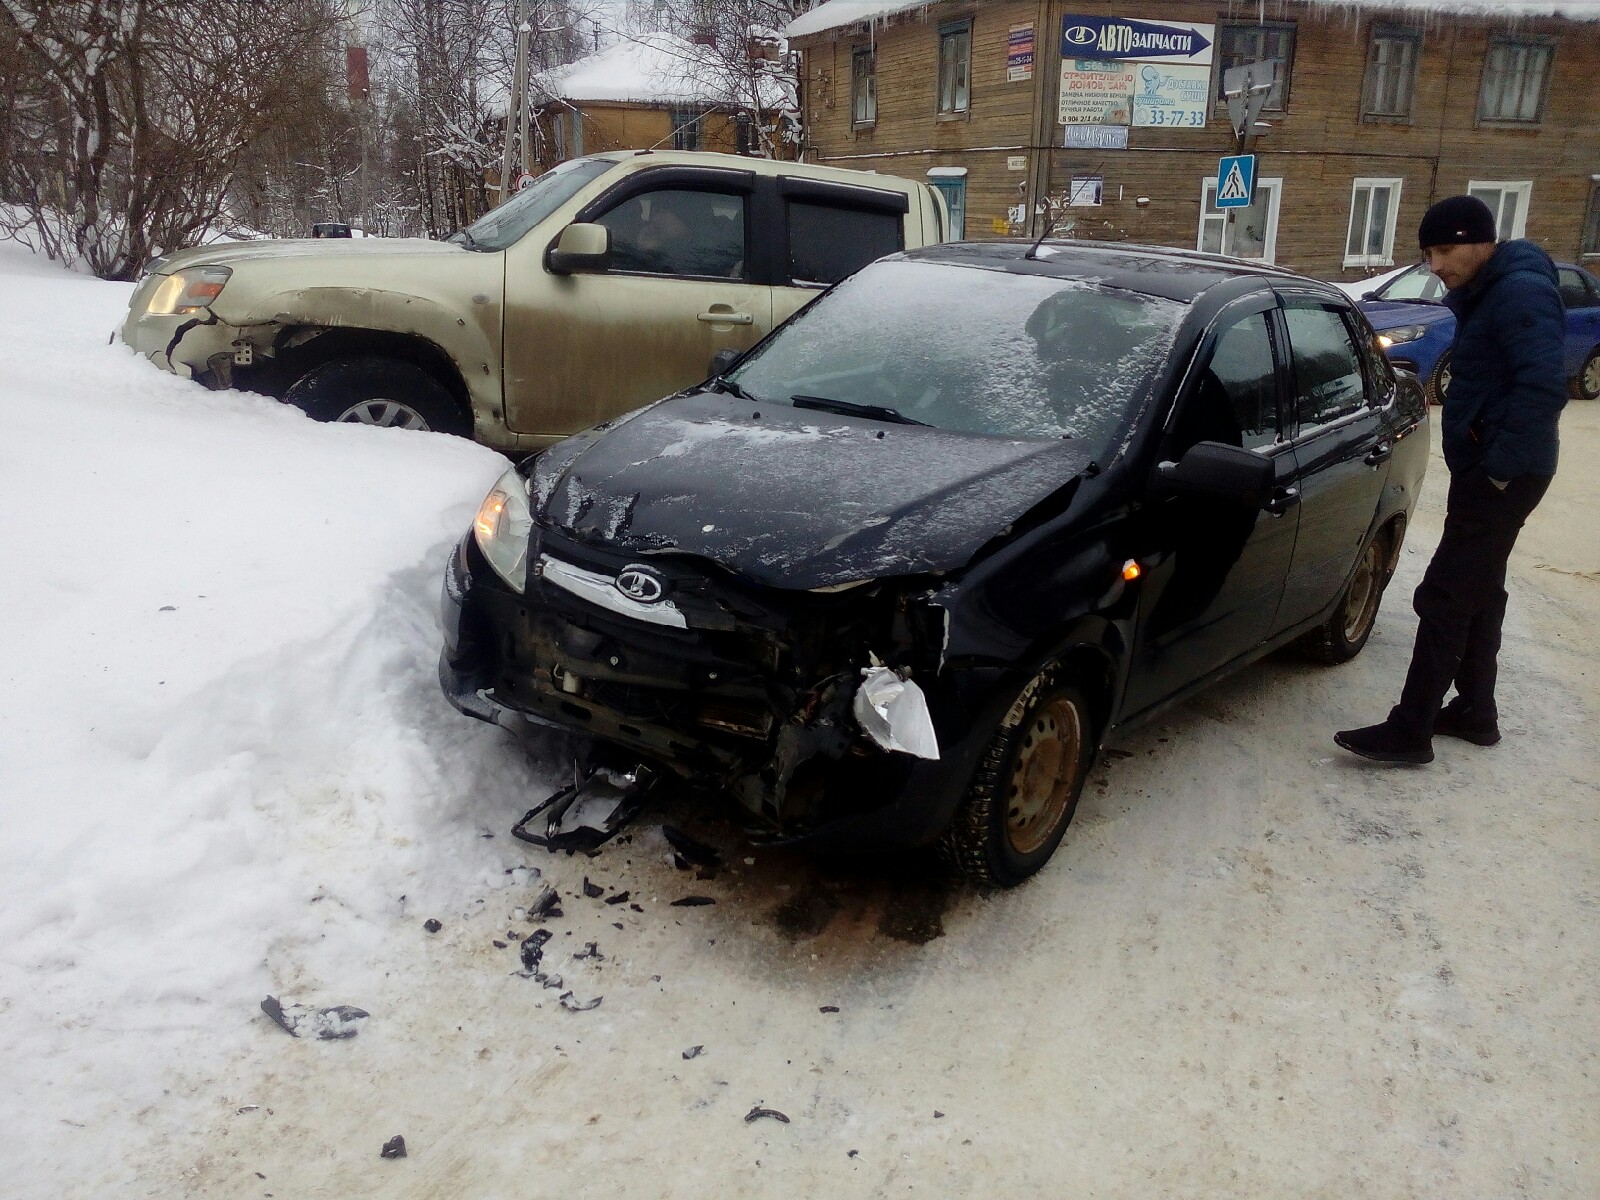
(1319, 146)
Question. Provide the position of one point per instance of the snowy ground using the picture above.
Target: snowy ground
(1256, 968)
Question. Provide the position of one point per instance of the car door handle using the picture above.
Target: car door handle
(1378, 454)
(728, 317)
(1283, 499)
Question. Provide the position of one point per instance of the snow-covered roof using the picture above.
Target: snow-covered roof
(837, 13)
(651, 68)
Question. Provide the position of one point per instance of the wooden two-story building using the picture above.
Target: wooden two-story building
(1111, 118)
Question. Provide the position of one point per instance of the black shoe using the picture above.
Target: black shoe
(1456, 720)
(1385, 743)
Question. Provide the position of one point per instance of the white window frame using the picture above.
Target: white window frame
(959, 76)
(864, 87)
(1210, 212)
(1521, 188)
(1385, 258)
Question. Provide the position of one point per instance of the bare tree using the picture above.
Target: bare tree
(130, 117)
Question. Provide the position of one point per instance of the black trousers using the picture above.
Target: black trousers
(1462, 599)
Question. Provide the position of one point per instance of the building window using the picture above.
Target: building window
(951, 183)
(1251, 233)
(1590, 245)
(1391, 72)
(685, 128)
(1516, 75)
(955, 68)
(1508, 202)
(1370, 239)
(1238, 45)
(863, 87)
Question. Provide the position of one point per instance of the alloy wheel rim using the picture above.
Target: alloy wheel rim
(1362, 603)
(390, 414)
(1045, 774)
(1591, 378)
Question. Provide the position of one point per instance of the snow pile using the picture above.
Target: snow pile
(221, 735)
(652, 68)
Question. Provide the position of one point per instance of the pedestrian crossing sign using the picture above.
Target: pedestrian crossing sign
(1236, 181)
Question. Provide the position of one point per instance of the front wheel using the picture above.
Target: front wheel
(1587, 385)
(378, 391)
(1341, 637)
(1439, 380)
(1025, 789)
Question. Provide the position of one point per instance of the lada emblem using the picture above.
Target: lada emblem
(641, 583)
(1081, 35)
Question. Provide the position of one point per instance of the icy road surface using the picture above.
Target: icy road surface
(1257, 968)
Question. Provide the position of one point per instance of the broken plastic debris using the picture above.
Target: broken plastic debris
(829, 1008)
(432, 925)
(395, 1147)
(618, 898)
(894, 713)
(755, 1114)
(249, 1108)
(695, 851)
(592, 890)
(547, 905)
(533, 949)
(590, 950)
(571, 1005)
(329, 1024)
(587, 813)
(692, 901)
(693, 1052)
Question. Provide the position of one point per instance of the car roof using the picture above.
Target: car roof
(643, 159)
(1153, 270)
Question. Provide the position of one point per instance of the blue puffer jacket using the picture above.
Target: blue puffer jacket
(1507, 388)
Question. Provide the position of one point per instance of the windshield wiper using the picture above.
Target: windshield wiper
(719, 384)
(849, 408)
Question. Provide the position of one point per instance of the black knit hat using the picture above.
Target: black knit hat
(1456, 221)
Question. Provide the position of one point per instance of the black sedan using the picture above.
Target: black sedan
(895, 576)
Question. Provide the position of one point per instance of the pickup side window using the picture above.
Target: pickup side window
(827, 242)
(1327, 365)
(675, 231)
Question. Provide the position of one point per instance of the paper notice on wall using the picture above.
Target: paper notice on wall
(1096, 93)
(1019, 53)
(1170, 96)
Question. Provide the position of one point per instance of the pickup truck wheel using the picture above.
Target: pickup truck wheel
(1341, 637)
(378, 391)
(1025, 789)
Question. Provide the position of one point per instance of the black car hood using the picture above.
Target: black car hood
(795, 498)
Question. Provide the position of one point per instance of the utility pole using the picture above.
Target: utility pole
(517, 108)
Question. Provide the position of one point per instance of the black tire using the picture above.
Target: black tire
(1438, 380)
(1040, 754)
(378, 391)
(1341, 637)
(1586, 384)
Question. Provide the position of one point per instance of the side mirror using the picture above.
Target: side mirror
(722, 360)
(1369, 295)
(581, 247)
(1219, 471)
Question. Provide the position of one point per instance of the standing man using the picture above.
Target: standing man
(1500, 420)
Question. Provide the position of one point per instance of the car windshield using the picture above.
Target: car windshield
(499, 228)
(1418, 283)
(978, 351)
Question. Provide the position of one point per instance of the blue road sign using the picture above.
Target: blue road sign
(1236, 181)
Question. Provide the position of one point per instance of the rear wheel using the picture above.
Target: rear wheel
(1026, 788)
(1439, 380)
(378, 391)
(1341, 637)
(1587, 385)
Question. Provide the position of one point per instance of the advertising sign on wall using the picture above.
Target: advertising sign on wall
(1096, 93)
(1170, 96)
(1121, 39)
(1019, 53)
(1096, 137)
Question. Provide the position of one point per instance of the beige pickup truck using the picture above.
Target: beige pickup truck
(610, 281)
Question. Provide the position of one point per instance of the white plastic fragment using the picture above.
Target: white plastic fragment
(894, 713)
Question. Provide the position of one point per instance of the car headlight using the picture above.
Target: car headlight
(1400, 334)
(503, 526)
(188, 290)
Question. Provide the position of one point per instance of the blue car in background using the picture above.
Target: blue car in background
(1416, 330)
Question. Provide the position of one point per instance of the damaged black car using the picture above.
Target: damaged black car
(893, 578)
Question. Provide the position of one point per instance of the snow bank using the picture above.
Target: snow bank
(651, 68)
(218, 703)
